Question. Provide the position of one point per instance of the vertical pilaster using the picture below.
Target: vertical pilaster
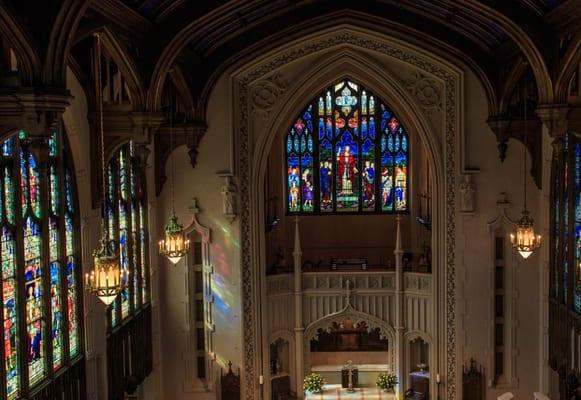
(298, 301)
(399, 300)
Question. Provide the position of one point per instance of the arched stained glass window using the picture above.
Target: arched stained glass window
(347, 152)
(125, 207)
(38, 254)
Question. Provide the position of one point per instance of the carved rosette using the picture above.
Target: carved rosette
(265, 93)
(426, 90)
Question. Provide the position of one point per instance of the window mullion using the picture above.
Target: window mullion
(59, 165)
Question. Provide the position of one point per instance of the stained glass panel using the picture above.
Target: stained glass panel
(126, 218)
(43, 329)
(8, 196)
(34, 185)
(361, 153)
(10, 308)
(34, 301)
(54, 191)
(143, 247)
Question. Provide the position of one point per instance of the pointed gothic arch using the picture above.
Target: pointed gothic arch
(346, 46)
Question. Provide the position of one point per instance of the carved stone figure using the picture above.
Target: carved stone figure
(229, 192)
(467, 194)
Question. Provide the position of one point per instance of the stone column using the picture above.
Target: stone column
(298, 300)
(399, 300)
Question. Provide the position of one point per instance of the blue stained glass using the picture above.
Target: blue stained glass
(52, 145)
(296, 142)
(310, 143)
(303, 144)
(372, 127)
(404, 142)
(289, 143)
(364, 127)
(321, 128)
(34, 185)
(307, 116)
(329, 125)
(396, 142)
(69, 191)
(321, 106)
(8, 147)
(23, 183)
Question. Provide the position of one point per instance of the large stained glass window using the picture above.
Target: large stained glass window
(38, 238)
(125, 209)
(347, 152)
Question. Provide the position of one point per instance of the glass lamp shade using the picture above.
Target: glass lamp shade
(524, 239)
(107, 278)
(174, 245)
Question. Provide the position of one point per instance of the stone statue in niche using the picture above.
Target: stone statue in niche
(229, 192)
(467, 190)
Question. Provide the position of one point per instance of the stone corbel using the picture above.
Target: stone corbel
(35, 111)
(555, 118)
(186, 133)
(501, 128)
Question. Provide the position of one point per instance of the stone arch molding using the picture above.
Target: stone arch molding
(253, 150)
(385, 330)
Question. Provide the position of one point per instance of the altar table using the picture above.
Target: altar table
(366, 373)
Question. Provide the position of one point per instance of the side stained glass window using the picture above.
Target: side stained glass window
(127, 222)
(355, 160)
(34, 236)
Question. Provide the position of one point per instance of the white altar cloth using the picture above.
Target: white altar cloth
(335, 392)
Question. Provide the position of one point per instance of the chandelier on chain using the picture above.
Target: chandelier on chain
(174, 244)
(524, 239)
(107, 279)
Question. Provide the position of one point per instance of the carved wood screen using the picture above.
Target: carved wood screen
(473, 382)
(230, 384)
(129, 355)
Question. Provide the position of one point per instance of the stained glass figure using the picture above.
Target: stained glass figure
(357, 160)
(10, 309)
(126, 220)
(35, 310)
(40, 344)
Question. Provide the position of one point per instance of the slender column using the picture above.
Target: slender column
(399, 324)
(299, 329)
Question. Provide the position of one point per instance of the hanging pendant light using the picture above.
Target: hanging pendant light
(107, 279)
(174, 244)
(524, 239)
